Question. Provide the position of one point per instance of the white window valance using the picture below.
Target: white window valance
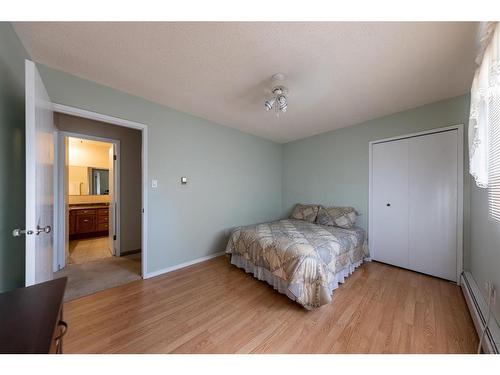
(485, 103)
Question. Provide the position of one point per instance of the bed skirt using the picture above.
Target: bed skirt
(281, 285)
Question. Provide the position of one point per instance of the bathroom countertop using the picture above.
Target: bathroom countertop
(88, 206)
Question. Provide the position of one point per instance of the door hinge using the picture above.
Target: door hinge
(114, 237)
(114, 157)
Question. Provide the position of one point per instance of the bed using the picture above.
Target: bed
(303, 260)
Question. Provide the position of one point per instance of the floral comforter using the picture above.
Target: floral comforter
(309, 260)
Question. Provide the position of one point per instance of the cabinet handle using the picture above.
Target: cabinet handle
(86, 220)
(58, 339)
(64, 327)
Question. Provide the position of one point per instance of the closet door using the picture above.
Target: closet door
(389, 203)
(433, 192)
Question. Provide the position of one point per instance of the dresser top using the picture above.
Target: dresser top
(29, 316)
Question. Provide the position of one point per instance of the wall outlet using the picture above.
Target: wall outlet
(154, 184)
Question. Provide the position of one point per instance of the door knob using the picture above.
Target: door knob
(19, 232)
(40, 229)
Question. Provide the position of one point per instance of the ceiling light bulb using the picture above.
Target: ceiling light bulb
(279, 100)
(282, 102)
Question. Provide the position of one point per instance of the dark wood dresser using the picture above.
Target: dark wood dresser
(31, 319)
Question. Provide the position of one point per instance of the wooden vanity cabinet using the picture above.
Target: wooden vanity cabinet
(88, 222)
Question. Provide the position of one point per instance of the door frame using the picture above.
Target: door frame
(74, 111)
(460, 188)
(61, 232)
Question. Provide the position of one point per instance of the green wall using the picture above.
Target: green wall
(12, 157)
(332, 168)
(233, 178)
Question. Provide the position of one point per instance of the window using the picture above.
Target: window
(494, 158)
(484, 121)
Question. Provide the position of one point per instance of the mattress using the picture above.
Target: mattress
(303, 260)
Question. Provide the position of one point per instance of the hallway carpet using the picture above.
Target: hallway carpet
(91, 277)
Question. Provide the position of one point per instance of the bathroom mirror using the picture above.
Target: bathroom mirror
(88, 181)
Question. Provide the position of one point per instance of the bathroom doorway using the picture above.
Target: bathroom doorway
(91, 200)
(98, 197)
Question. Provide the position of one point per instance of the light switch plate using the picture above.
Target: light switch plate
(154, 184)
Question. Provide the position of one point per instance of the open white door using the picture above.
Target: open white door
(39, 178)
(112, 203)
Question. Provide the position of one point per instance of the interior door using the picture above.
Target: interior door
(389, 203)
(433, 193)
(112, 203)
(39, 178)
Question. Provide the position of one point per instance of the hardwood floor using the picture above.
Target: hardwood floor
(214, 307)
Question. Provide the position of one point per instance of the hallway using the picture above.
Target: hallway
(91, 277)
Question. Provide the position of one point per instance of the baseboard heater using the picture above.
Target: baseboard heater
(479, 311)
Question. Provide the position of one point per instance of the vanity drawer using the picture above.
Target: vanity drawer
(102, 227)
(102, 219)
(85, 223)
(85, 212)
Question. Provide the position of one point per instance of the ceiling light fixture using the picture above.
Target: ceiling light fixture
(279, 95)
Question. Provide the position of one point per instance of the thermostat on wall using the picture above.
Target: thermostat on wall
(184, 180)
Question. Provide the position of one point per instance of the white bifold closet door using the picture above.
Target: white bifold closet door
(414, 203)
(390, 202)
(433, 192)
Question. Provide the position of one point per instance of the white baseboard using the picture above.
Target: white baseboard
(479, 311)
(182, 265)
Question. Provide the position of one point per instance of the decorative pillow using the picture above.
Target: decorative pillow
(306, 212)
(343, 217)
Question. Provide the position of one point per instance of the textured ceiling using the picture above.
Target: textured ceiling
(338, 73)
